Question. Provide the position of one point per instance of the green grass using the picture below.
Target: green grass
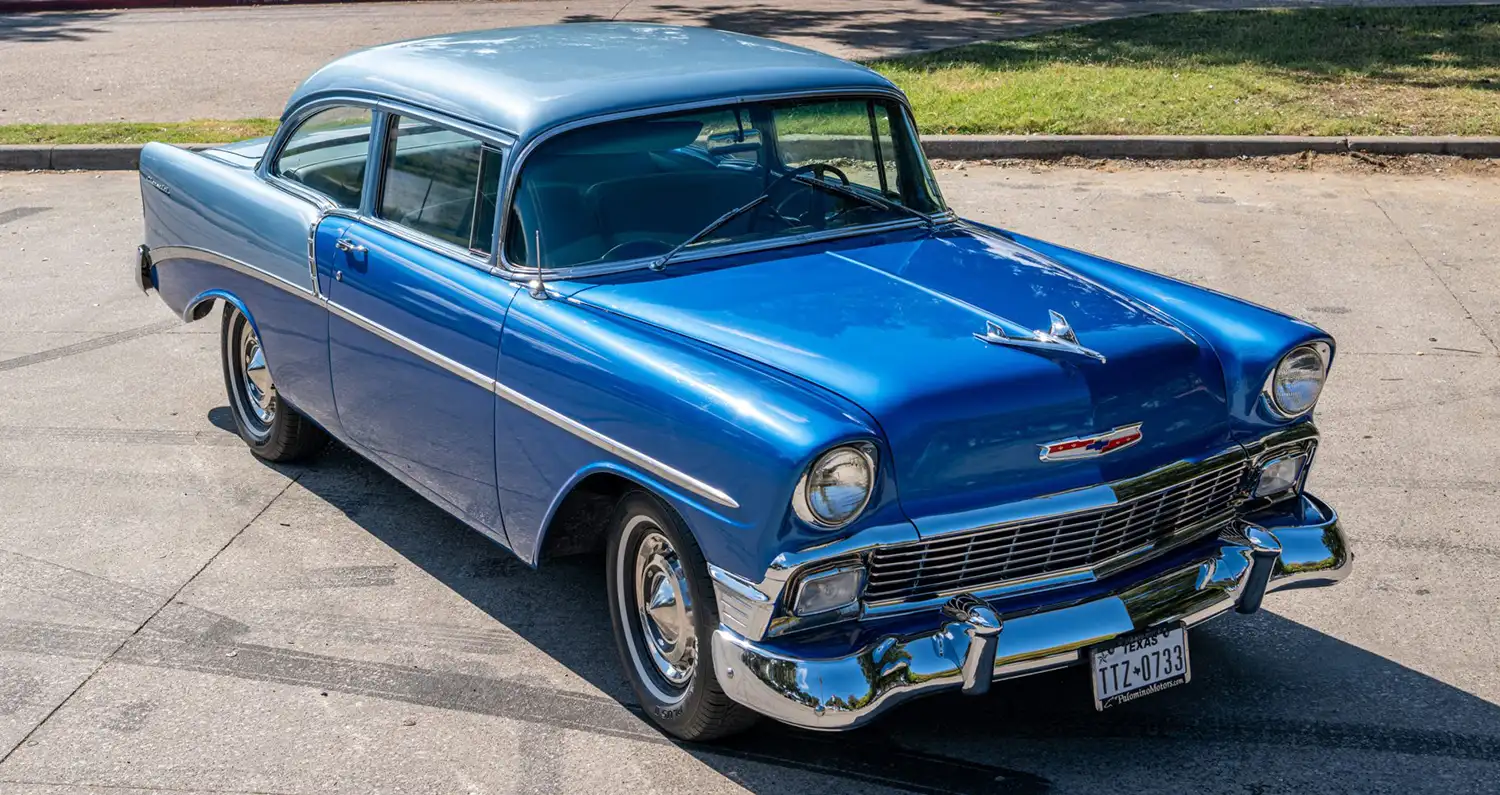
(186, 132)
(1347, 71)
(1374, 71)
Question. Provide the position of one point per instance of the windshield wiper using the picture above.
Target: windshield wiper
(708, 230)
(881, 202)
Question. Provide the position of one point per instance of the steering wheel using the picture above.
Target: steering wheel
(818, 170)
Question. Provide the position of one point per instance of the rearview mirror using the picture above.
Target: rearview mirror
(728, 143)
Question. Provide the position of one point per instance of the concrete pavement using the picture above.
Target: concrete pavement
(176, 616)
(231, 63)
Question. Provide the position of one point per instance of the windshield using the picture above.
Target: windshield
(639, 188)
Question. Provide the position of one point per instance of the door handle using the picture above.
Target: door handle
(348, 246)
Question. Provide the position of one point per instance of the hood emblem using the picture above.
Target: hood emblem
(1059, 338)
(1091, 446)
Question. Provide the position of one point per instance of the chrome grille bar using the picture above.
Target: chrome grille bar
(1198, 504)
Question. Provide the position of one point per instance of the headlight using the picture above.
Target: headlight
(837, 486)
(1298, 380)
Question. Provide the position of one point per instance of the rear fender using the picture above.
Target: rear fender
(217, 231)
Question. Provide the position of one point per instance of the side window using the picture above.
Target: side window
(328, 154)
(854, 134)
(441, 183)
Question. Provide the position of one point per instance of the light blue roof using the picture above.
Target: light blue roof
(525, 80)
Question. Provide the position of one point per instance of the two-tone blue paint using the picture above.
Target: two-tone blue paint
(722, 378)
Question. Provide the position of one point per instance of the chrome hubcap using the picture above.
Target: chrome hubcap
(254, 392)
(258, 385)
(666, 609)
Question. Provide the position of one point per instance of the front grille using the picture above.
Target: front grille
(990, 557)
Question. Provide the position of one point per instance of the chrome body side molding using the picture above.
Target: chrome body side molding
(625, 452)
(164, 254)
(645, 462)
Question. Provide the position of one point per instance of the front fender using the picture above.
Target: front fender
(735, 426)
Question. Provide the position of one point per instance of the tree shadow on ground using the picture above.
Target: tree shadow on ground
(1378, 44)
(1422, 47)
(1264, 687)
(50, 27)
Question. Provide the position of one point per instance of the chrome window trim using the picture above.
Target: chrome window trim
(514, 272)
(389, 114)
(289, 126)
(381, 108)
(712, 252)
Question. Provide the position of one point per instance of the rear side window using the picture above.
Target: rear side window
(441, 183)
(328, 153)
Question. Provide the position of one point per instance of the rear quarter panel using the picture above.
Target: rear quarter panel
(217, 230)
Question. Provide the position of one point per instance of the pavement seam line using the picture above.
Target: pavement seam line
(144, 787)
(1469, 313)
(154, 613)
(86, 345)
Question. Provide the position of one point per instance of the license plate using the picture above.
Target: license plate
(1140, 664)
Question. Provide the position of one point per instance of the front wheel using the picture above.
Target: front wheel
(664, 615)
(274, 430)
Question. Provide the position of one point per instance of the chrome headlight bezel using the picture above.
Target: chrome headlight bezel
(1320, 349)
(802, 497)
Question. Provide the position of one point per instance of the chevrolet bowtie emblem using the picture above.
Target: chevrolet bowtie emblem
(1091, 446)
(1060, 338)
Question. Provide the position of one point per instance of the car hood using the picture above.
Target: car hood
(892, 328)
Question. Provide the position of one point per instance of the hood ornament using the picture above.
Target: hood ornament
(1059, 338)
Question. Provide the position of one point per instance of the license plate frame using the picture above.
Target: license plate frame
(1106, 659)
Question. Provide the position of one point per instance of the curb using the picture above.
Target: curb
(84, 157)
(1194, 147)
(48, 6)
(126, 157)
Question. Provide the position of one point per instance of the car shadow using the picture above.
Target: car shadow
(1261, 681)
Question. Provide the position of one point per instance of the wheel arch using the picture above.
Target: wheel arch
(577, 521)
(200, 305)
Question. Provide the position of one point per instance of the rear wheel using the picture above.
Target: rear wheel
(274, 430)
(664, 616)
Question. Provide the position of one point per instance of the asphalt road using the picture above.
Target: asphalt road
(234, 63)
(175, 616)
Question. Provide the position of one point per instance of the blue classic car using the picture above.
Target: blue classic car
(693, 300)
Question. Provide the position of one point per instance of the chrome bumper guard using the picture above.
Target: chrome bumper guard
(975, 644)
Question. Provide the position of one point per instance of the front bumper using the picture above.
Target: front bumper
(974, 645)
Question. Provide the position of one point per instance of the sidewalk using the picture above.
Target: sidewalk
(230, 63)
